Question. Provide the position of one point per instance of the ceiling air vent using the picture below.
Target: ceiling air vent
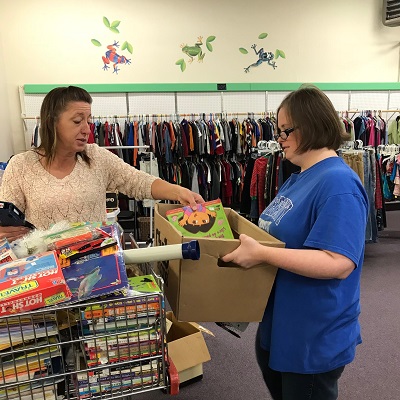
(391, 12)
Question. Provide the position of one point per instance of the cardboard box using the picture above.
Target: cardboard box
(208, 290)
(187, 348)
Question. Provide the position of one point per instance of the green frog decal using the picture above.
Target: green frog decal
(195, 51)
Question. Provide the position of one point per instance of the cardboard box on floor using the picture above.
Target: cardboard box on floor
(204, 290)
(187, 348)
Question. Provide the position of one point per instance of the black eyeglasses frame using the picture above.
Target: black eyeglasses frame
(286, 133)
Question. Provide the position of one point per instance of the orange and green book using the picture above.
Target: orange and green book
(208, 220)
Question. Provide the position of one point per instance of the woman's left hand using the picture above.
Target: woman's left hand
(247, 254)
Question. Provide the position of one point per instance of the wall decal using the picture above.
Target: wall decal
(263, 56)
(111, 55)
(195, 51)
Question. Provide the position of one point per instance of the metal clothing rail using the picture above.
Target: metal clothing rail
(394, 111)
(165, 115)
(24, 117)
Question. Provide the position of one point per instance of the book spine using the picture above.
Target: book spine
(86, 392)
(115, 377)
(136, 367)
(130, 349)
(114, 360)
(126, 323)
(122, 317)
(120, 310)
(112, 344)
(116, 340)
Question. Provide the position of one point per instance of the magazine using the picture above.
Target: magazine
(209, 220)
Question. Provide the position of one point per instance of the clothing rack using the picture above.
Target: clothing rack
(24, 117)
(393, 111)
(266, 113)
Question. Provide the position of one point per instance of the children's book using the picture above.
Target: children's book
(142, 296)
(123, 353)
(95, 390)
(94, 275)
(208, 220)
(140, 322)
(30, 283)
(112, 342)
(120, 308)
(143, 284)
(127, 371)
(102, 246)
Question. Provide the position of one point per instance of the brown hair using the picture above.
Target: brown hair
(55, 103)
(311, 111)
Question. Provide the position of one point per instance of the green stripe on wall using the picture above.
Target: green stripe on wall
(212, 87)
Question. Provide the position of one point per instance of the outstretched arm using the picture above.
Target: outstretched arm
(163, 190)
(320, 264)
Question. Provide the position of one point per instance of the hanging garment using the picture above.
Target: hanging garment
(394, 131)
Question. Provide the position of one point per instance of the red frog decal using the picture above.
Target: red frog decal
(113, 57)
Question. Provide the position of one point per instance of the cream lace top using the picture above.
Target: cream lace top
(80, 196)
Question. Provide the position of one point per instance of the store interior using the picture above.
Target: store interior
(188, 61)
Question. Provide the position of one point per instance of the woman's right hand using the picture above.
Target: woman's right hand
(12, 233)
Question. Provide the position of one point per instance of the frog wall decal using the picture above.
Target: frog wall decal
(195, 51)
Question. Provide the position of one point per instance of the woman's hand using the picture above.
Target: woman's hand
(189, 198)
(247, 254)
(12, 233)
(163, 190)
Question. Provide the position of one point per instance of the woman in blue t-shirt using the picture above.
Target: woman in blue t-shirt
(310, 327)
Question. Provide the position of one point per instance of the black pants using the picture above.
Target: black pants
(291, 386)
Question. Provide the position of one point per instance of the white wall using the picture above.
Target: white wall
(48, 41)
(6, 147)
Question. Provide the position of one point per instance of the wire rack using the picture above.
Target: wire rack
(113, 348)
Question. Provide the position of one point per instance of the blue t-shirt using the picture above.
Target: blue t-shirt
(311, 325)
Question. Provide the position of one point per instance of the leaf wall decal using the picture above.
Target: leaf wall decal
(280, 53)
(106, 22)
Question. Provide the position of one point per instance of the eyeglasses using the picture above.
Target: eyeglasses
(283, 134)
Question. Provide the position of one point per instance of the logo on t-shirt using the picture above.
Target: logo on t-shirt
(276, 210)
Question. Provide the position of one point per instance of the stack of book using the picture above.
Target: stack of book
(30, 357)
(121, 341)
